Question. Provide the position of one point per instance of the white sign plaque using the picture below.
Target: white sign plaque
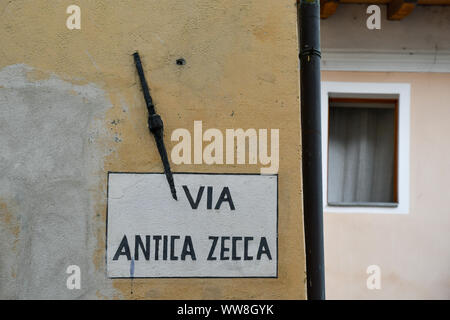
(223, 225)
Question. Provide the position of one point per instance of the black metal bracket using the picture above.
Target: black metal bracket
(310, 52)
(155, 125)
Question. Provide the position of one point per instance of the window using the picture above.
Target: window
(361, 152)
(365, 143)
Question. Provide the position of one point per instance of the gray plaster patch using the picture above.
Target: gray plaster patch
(51, 167)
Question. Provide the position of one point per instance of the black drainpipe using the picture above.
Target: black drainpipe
(309, 33)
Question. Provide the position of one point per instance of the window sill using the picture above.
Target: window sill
(364, 204)
(365, 208)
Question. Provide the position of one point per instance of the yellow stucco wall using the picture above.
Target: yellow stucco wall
(241, 72)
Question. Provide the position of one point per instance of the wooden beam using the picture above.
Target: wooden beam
(327, 8)
(398, 9)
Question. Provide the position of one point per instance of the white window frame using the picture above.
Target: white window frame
(400, 91)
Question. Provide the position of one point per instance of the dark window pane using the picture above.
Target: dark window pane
(361, 155)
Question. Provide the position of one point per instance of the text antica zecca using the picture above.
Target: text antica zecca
(173, 247)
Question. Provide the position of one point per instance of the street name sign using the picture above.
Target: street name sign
(223, 225)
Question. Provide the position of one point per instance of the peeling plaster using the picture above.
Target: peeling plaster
(52, 164)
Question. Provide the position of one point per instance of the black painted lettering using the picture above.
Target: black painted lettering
(124, 249)
(157, 239)
(188, 249)
(172, 247)
(246, 241)
(223, 248)
(194, 205)
(139, 244)
(263, 249)
(213, 247)
(225, 196)
(164, 247)
(209, 198)
(234, 256)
